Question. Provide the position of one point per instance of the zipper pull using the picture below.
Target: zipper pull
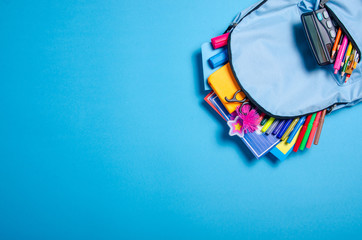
(322, 2)
(330, 109)
(233, 23)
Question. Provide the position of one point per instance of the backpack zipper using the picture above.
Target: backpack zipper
(237, 19)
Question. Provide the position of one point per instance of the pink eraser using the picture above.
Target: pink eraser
(220, 41)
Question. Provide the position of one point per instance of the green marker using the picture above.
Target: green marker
(264, 120)
(306, 135)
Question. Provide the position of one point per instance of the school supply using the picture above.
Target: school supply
(267, 124)
(248, 116)
(284, 128)
(284, 148)
(215, 103)
(352, 66)
(278, 128)
(236, 127)
(219, 59)
(321, 34)
(301, 134)
(220, 41)
(224, 85)
(277, 100)
(265, 119)
(307, 133)
(259, 144)
(261, 116)
(313, 131)
(347, 58)
(295, 130)
(272, 127)
(340, 55)
(320, 126)
(289, 129)
(336, 41)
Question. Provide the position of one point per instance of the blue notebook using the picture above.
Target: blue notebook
(259, 143)
(217, 103)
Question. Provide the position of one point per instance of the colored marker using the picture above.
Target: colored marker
(320, 126)
(314, 129)
(352, 66)
(301, 134)
(338, 37)
(347, 57)
(284, 128)
(267, 124)
(272, 127)
(342, 50)
(295, 130)
(220, 41)
(290, 128)
(265, 119)
(261, 116)
(344, 57)
(219, 59)
(279, 127)
(307, 133)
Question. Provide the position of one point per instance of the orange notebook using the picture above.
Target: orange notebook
(224, 85)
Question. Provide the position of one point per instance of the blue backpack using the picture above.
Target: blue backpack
(272, 61)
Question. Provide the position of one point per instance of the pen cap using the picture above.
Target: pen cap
(220, 41)
(219, 59)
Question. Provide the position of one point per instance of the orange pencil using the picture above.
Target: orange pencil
(334, 49)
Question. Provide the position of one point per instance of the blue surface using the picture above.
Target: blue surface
(105, 134)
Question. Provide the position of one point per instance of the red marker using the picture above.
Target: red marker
(261, 116)
(314, 129)
(301, 134)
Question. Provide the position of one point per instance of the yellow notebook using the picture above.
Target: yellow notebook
(224, 85)
(284, 147)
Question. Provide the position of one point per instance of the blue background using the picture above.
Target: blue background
(105, 134)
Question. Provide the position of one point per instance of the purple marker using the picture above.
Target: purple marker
(277, 129)
(340, 55)
(284, 128)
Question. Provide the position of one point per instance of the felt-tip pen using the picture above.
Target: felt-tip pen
(296, 128)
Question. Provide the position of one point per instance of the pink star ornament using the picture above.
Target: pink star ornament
(236, 127)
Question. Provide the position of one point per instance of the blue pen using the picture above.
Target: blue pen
(284, 128)
(277, 129)
(296, 128)
(344, 59)
(271, 128)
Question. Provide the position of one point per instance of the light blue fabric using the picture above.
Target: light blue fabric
(274, 65)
